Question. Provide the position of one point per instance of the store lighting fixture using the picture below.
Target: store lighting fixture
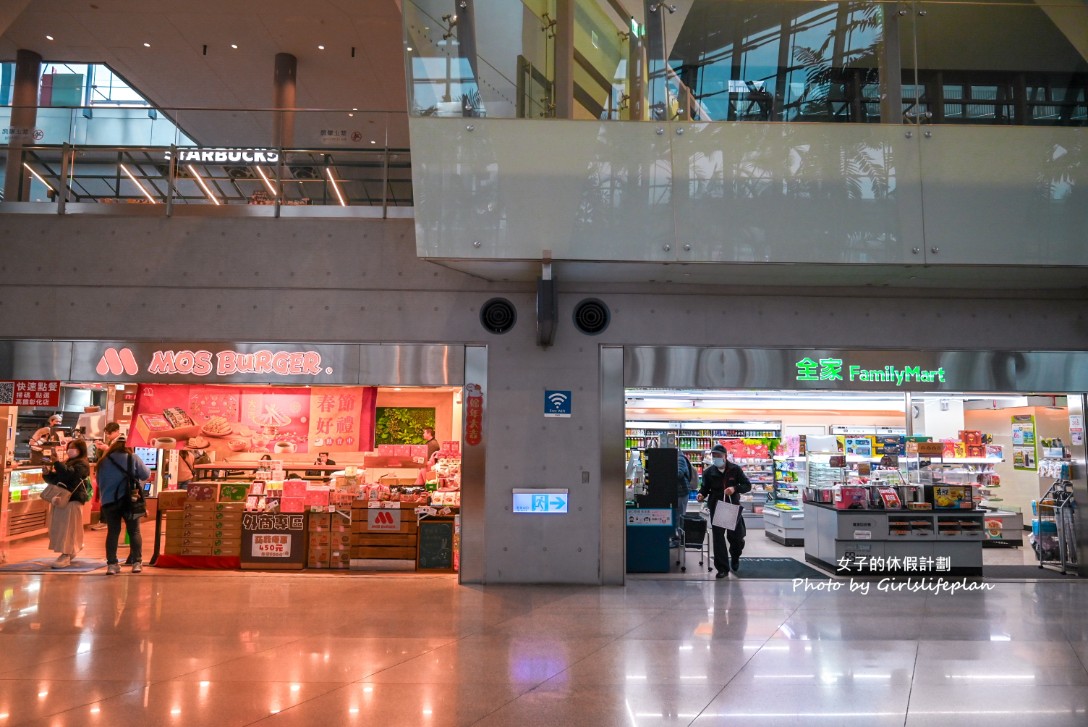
(267, 182)
(372, 141)
(38, 177)
(200, 180)
(335, 187)
(409, 49)
(141, 187)
(49, 37)
(321, 47)
(147, 45)
(234, 46)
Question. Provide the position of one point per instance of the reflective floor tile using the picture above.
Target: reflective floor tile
(191, 704)
(968, 664)
(735, 623)
(491, 660)
(559, 706)
(787, 663)
(989, 704)
(839, 704)
(319, 659)
(629, 663)
(433, 705)
(26, 700)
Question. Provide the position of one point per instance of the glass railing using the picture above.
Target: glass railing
(1001, 62)
(356, 163)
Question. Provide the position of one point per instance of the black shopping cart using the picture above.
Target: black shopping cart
(694, 538)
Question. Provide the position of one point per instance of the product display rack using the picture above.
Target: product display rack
(694, 439)
(760, 473)
(784, 517)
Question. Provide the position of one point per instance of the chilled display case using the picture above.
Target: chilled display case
(27, 514)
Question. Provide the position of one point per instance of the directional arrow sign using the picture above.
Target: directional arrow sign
(540, 501)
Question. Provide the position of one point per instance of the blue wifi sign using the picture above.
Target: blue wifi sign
(557, 403)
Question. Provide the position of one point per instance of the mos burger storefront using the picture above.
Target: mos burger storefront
(263, 455)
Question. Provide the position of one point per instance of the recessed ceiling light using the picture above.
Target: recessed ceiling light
(147, 45)
(409, 49)
(321, 47)
(234, 46)
(373, 142)
(49, 37)
(354, 109)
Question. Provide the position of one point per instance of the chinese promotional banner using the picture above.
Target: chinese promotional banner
(262, 419)
(1024, 454)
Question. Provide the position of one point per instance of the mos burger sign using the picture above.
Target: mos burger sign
(238, 363)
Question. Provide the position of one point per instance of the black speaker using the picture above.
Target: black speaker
(591, 316)
(547, 311)
(498, 315)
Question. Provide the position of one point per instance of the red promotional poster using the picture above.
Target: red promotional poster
(263, 419)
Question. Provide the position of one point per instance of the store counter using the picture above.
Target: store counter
(861, 538)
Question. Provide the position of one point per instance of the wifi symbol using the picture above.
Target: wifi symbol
(557, 399)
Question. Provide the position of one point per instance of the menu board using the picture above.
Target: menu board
(276, 420)
(435, 551)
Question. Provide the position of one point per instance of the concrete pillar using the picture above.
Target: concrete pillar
(283, 97)
(564, 59)
(24, 115)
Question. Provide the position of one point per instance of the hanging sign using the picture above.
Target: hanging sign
(30, 392)
(474, 414)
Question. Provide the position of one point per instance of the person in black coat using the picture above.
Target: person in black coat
(724, 480)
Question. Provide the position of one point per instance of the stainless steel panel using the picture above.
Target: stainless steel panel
(1079, 452)
(735, 368)
(474, 479)
(613, 528)
(50, 360)
(411, 365)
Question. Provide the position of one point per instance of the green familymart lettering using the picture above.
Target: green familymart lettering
(832, 369)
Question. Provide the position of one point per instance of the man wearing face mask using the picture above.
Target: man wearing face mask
(724, 480)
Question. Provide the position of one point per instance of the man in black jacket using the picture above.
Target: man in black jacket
(724, 480)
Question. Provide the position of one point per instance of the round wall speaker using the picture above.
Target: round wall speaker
(591, 316)
(498, 315)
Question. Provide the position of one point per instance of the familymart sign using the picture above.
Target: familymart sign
(837, 369)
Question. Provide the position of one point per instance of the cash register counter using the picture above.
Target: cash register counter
(834, 538)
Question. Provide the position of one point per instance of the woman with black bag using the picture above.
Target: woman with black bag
(120, 472)
(66, 525)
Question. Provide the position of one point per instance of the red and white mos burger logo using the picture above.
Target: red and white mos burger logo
(225, 363)
(117, 362)
(383, 520)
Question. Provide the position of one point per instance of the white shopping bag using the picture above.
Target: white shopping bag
(726, 515)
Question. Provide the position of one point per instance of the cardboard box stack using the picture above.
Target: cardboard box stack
(329, 541)
(383, 531)
(205, 527)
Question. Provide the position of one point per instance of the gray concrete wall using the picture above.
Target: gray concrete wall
(359, 281)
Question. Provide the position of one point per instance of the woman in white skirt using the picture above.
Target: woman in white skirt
(66, 527)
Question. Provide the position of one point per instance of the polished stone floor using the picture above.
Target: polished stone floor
(230, 648)
(310, 649)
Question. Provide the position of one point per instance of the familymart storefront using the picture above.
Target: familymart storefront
(971, 459)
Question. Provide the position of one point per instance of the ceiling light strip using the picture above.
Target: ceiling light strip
(138, 185)
(267, 182)
(38, 177)
(335, 187)
(200, 181)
